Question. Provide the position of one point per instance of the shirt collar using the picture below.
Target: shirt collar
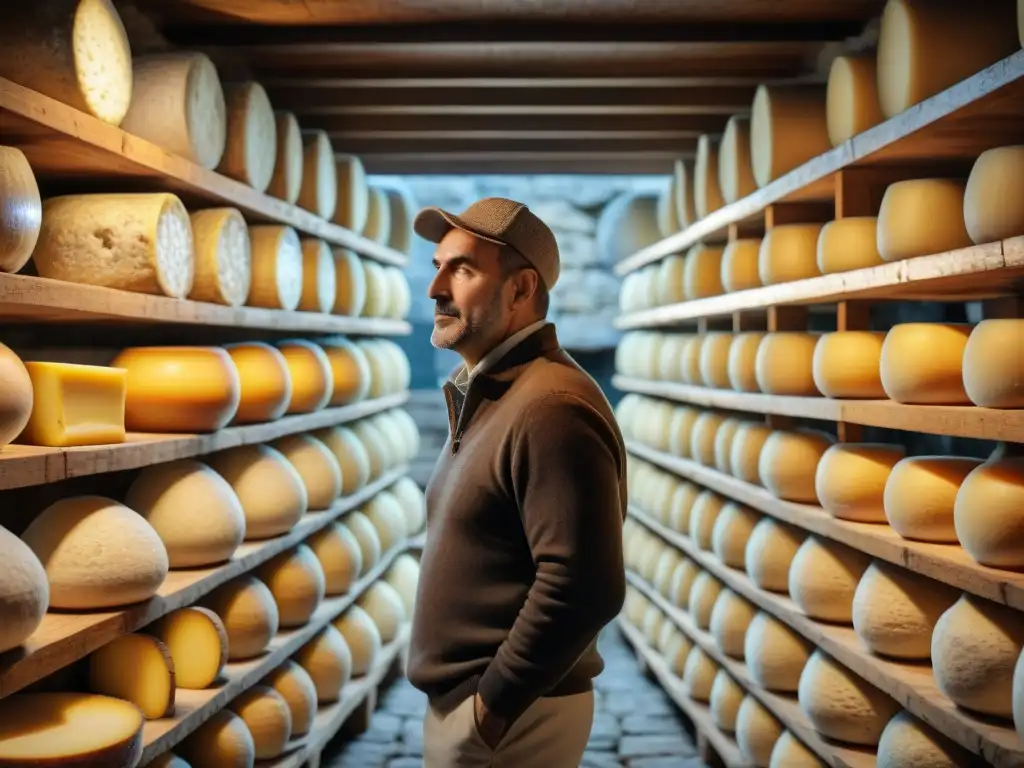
(465, 375)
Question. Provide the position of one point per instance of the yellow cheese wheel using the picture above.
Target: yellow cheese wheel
(399, 292)
(223, 257)
(703, 594)
(249, 614)
(848, 243)
(699, 675)
(730, 618)
(362, 637)
(823, 578)
(668, 221)
(994, 363)
(264, 380)
(742, 365)
(906, 742)
(319, 190)
(920, 217)
(852, 96)
(789, 252)
(24, 591)
(404, 576)
(789, 461)
(757, 731)
(789, 752)
(350, 370)
(788, 126)
(316, 465)
(703, 271)
(16, 397)
(785, 364)
(328, 660)
(846, 364)
(735, 174)
(667, 562)
(707, 194)
(922, 363)
(353, 207)
(223, 741)
(350, 283)
(271, 490)
(702, 438)
(740, 264)
(351, 454)
(277, 267)
(403, 209)
(251, 148)
(769, 553)
(714, 360)
(297, 582)
(197, 641)
(680, 506)
(731, 533)
(21, 210)
(378, 220)
(310, 373)
(653, 622)
(726, 697)
(384, 605)
(683, 176)
(723, 444)
(669, 283)
(745, 450)
(340, 558)
(994, 196)
(376, 446)
(851, 477)
(775, 655)
(369, 540)
(989, 513)
(299, 692)
(691, 360)
(921, 493)
(136, 668)
(268, 717)
(287, 178)
(703, 515)
(319, 282)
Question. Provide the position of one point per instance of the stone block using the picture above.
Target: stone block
(648, 724)
(654, 746)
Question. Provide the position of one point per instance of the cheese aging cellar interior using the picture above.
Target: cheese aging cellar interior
(791, 238)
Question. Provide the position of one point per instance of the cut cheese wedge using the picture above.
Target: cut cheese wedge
(922, 363)
(328, 660)
(362, 637)
(223, 257)
(350, 370)
(21, 210)
(350, 288)
(139, 242)
(136, 668)
(269, 487)
(251, 149)
(24, 591)
(198, 643)
(920, 217)
(249, 614)
(319, 282)
(268, 717)
(378, 220)
(848, 243)
(994, 196)
(310, 372)
(788, 126)
(286, 182)
(316, 465)
(74, 405)
(299, 692)
(341, 559)
(707, 194)
(223, 741)
(351, 454)
(265, 381)
(277, 267)
(319, 192)
(735, 174)
(852, 96)
(353, 207)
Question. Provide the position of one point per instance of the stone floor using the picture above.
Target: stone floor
(635, 725)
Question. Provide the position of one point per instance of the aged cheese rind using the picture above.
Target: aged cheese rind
(251, 149)
(316, 465)
(350, 288)
(921, 217)
(286, 180)
(223, 257)
(823, 579)
(264, 379)
(384, 605)
(353, 207)
(848, 243)
(277, 267)
(268, 717)
(341, 559)
(24, 591)
(319, 282)
(136, 668)
(989, 513)
(788, 126)
(851, 477)
(319, 191)
(350, 370)
(921, 493)
(994, 363)
(852, 96)
(270, 489)
(299, 691)
(994, 196)
(310, 373)
(21, 210)
(198, 643)
(922, 363)
(846, 364)
(249, 614)
(378, 220)
(223, 741)
(362, 637)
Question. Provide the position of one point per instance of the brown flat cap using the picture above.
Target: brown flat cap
(500, 221)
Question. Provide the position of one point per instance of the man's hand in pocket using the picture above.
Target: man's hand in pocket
(490, 727)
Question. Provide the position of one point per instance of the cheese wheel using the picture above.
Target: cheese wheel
(745, 450)
(177, 103)
(249, 614)
(77, 730)
(714, 360)
(369, 540)
(702, 276)
(994, 363)
(707, 195)
(268, 717)
(402, 210)
(735, 174)
(774, 654)
(363, 638)
(756, 732)
(683, 185)
(785, 364)
(353, 207)
(223, 741)
(668, 286)
(194, 510)
(726, 697)
(385, 512)
(789, 252)
(350, 279)
(376, 446)
(742, 365)
(846, 364)
(378, 290)
(384, 605)
(667, 562)
(277, 267)
(16, 396)
(921, 493)
(395, 432)
(770, 551)
(270, 489)
(264, 380)
(74, 51)
(311, 375)
(703, 516)
(668, 221)
(823, 579)
(681, 583)
(691, 360)
(24, 591)
(989, 513)
(848, 243)
(318, 276)
(223, 261)
(723, 444)
(328, 660)
(729, 621)
(740, 265)
(851, 97)
(146, 244)
(399, 363)
(297, 582)
(316, 465)
(665, 637)
(842, 706)
(788, 126)
(197, 642)
(319, 190)
(250, 152)
(136, 668)
(97, 553)
(399, 291)
(286, 181)
(378, 220)
(702, 439)
(703, 595)
(350, 371)
(788, 752)
(851, 477)
(994, 196)
(907, 205)
(731, 533)
(299, 692)
(906, 742)
(168, 760)
(922, 363)
(789, 461)
(699, 675)
(924, 48)
(351, 455)
(404, 575)
(21, 210)
(652, 624)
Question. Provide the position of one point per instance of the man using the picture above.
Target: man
(523, 560)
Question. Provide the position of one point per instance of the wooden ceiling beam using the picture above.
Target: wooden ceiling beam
(518, 163)
(368, 142)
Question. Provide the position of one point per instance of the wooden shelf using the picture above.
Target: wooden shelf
(71, 146)
(959, 123)
(697, 711)
(982, 271)
(193, 708)
(910, 684)
(948, 563)
(958, 420)
(24, 298)
(785, 708)
(63, 638)
(25, 465)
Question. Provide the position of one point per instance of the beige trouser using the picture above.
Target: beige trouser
(551, 733)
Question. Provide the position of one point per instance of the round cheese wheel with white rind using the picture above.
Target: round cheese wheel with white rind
(21, 210)
(328, 659)
(788, 252)
(297, 582)
(994, 363)
(384, 605)
(351, 454)
(69, 729)
(726, 697)
(299, 692)
(350, 283)
(907, 742)
(376, 447)
(369, 540)
(316, 465)
(319, 190)
(652, 623)
(341, 559)
(740, 265)
(851, 99)
(287, 178)
(404, 575)
(699, 675)
(16, 396)
(178, 104)
(702, 439)
(788, 126)
(250, 152)
(921, 493)
(742, 364)
(268, 717)
(994, 197)
(770, 551)
(277, 267)
(403, 208)
(223, 741)
(223, 268)
(691, 361)
(732, 530)
(895, 611)
(393, 435)
(745, 451)
(989, 513)
(399, 291)
(310, 373)
(785, 364)
(848, 243)
(729, 621)
(24, 591)
(723, 444)
(75, 52)
(714, 360)
(400, 364)
(193, 509)
(703, 515)
(670, 281)
(271, 490)
(707, 195)
(774, 654)
(681, 583)
(363, 638)
(851, 477)
(97, 553)
(680, 506)
(922, 363)
(319, 283)
(413, 502)
(682, 184)
(846, 364)
(921, 217)
(136, 668)
(197, 641)
(703, 596)
(757, 731)
(409, 429)
(378, 290)
(702, 275)
(249, 614)
(823, 578)
(676, 652)
(842, 706)
(265, 381)
(147, 244)
(789, 461)
(789, 752)
(350, 370)
(384, 511)
(378, 221)
(667, 563)
(382, 373)
(735, 174)
(353, 207)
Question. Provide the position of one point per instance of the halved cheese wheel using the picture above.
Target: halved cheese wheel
(21, 210)
(249, 614)
(287, 179)
(362, 637)
(350, 368)
(384, 605)
(277, 267)
(24, 591)
(297, 583)
(223, 257)
(316, 465)
(299, 691)
(353, 207)
(16, 397)
(251, 149)
(351, 454)
(788, 126)
(268, 717)
(310, 373)
(341, 559)
(136, 668)
(319, 282)
(270, 489)
(350, 278)
(266, 383)
(198, 643)
(223, 741)
(319, 191)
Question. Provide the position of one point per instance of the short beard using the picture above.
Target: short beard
(468, 329)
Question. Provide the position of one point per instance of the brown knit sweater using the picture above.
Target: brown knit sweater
(523, 560)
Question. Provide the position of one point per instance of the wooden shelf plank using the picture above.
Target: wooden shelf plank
(697, 711)
(22, 465)
(63, 142)
(63, 638)
(981, 271)
(948, 563)
(957, 420)
(25, 298)
(785, 708)
(961, 122)
(912, 685)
